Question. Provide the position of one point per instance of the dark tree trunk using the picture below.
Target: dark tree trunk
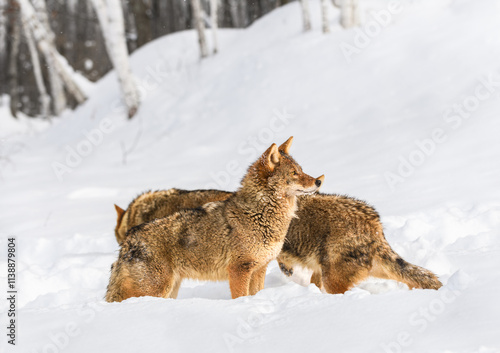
(142, 10)
(15, 41)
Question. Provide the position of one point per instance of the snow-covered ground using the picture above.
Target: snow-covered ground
(403, 115)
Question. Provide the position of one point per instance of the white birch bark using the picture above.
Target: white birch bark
(110, 16)
(44, 97)
(356, 21)
(200, 27)
(349, 13)
(56, 85)
(345, 14)
(306, 15)
(213, 21)
(42, 39)
(59, 101)
(324, 16)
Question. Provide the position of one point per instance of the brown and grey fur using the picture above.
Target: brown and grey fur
(338, 237)
(342, 240)
(162, 203)
(230, 240)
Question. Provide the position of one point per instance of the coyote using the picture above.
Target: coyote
(338, 237)
(342, 240)
(233, 239)
(159, 204)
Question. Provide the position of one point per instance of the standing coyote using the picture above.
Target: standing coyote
(233, 239)
(340, 238)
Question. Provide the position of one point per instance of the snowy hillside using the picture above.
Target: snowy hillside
(407, 120)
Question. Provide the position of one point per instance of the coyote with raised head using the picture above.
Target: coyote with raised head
(338, 237)
(230, 240)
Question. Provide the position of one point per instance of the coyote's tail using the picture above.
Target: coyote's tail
(388, 264)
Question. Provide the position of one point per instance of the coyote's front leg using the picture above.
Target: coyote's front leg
(240, 275)
(258, 279)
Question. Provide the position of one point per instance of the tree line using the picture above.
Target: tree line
(44, 43)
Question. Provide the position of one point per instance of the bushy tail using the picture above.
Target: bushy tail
(388, 264)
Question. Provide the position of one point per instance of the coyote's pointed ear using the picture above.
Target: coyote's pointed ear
(285, 147)
(120, 211)
(271, 157)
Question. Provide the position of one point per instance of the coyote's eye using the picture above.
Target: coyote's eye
(294, 173)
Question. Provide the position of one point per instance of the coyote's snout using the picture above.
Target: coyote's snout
(234, 239)
(298, 183)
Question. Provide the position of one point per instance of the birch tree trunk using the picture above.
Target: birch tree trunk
(15, 40)
(324, 16)
(200, 27)
(113, 28)
(213, 21)
(345, 13)
(349, 13)
(44, 97)
(49, 51)
(56, 85)
(306, 15)
(355, 13)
